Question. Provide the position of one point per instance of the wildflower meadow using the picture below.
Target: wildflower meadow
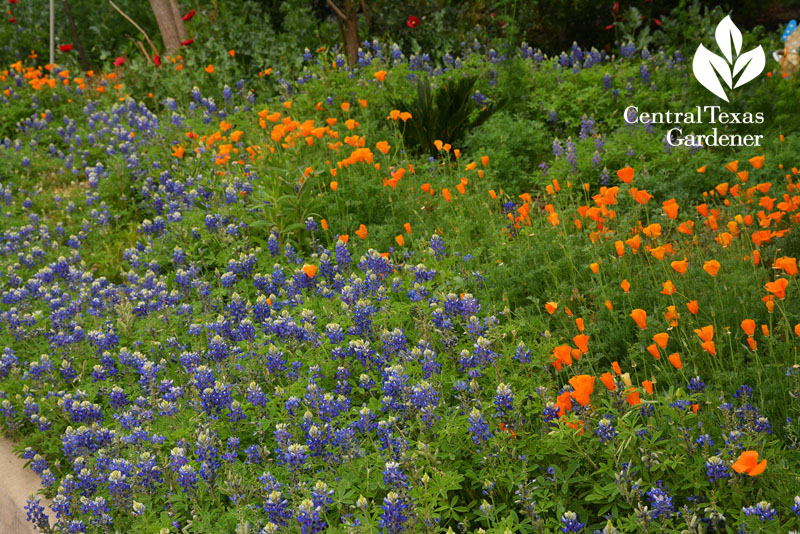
(451, 284)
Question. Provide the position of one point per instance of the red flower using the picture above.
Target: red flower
(157, 59)
(658, 22)
(616, 7)
(187, 42)
(12, 20)
(65, 47)
(609, 26)
(187, 17)
(13, 1)
(412, 21)
(119, 61)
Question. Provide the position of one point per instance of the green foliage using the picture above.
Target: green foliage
(445, 114)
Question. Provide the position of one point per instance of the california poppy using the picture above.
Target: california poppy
(693, 307)
(749, 327)
(617, 369)
(640, 317)
(711, 267)
(210, 69)
(648, 386)
(626, 174)
(680, 266)
(362, 232)
(582, 342)
(583, 386)
(551, 307)
(777, 288)
(748, 463)
(310, 270)
(675, 360)
(380, 75)
(399, 239)
(608, 381)
(661, 339)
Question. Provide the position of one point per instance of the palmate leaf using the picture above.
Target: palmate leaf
(446, 114)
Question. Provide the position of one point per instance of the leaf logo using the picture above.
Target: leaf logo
(734, 69)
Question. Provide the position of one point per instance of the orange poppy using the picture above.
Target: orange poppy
(777, 288)
(334, 185)
(564, 403)
(625, 285)
(680, 266)
(407, 227)
(362, 232)
(748, 463)
(380, 75)
(693, 307)
(711, 267)
(749, 327)
(757, 162)
(661, 339)
(626, 174)
(446, 194)
(640, 317)
(648, 386)
(310, 270)
(787, 264)
(633, 398)
(675, 360)
(210, 69)
(608, 381)
(399, 239)
(582, 342)
(617, 369)
(705, 333)
(668, 288)
(653, 350)
(583, 386)
(551, 307)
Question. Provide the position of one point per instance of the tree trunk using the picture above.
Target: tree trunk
(351, 31)
(76, 39)
(178, 18)
(166, 25)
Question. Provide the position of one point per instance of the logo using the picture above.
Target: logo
(733, 68)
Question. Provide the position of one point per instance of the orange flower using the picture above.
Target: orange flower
(380, 75)
(324, 223)
(178, 152)
(579, 324)
(608, 381)
(383, 147)
(748, 463)
(671, 208)
(407, 227)
(675, 360)
(345, 106)
(620, 247)
(562, 354)
(617, 369)
(564, 403)
(625, 285)
(626, 174)
(668, 288)
(653, 350)
(787, 264)
(310, 270)
(399, 239)
(446, 194)
(778, 287)
(344, 238)
(693, 307)
(582, 342)
(362, 232)
(551, 307)
(680, 266)
(661, 339)
(484, 160)
(749, 327)
(642, 196)
(334, 185)
(583, 388)
(711, 267)
(706, 333)
(609, 305)
(595, 268)
(757, 162)
(648, 386)
(210, 69)
(633, 398)
(640, 316)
